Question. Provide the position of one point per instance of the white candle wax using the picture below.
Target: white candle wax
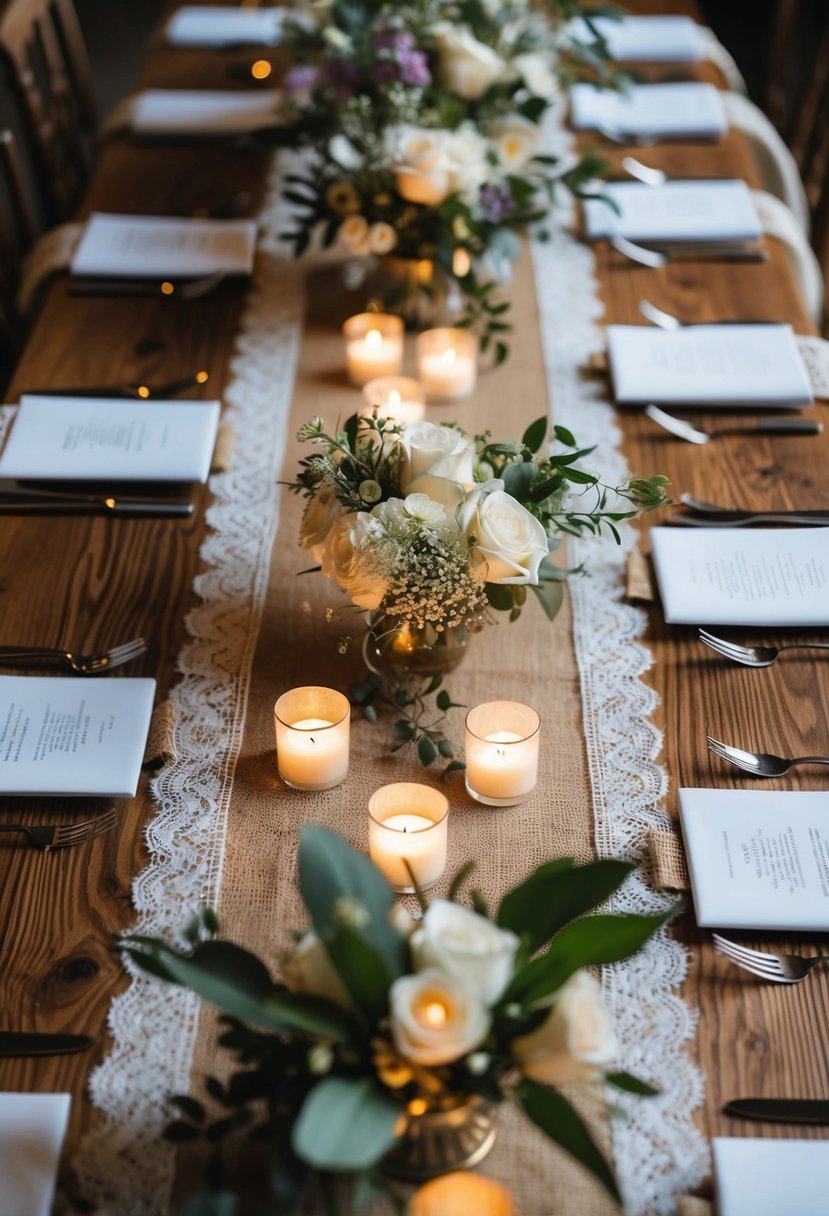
(311, 755)
(396, 397)
(448, 373)
(413, 838)
(373, 355)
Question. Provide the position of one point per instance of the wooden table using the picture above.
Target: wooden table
(91, 581)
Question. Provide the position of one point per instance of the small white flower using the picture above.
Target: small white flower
(342, 198)
(424, 509)
(370, 491)
(319, 1059)
(310, 970)
(478, 1062)
(353, 233)
(382, 238)
(351, 912)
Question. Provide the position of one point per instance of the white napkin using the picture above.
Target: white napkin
(32, 1128)
(97, 438)
(710, 365)
(73, 736)
(658, 39)
(204, 25)
(743, 576)
(147, 247)
(663, 110)
(203, 111)
(678, 211)
(768, 1177)
(758, 859)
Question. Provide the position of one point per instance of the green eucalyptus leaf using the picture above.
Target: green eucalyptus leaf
(554, 895)
(551, 1111)
(564, 436)
(443, 700)
(534, 435)
(551, 596)
(518, 479)
(426, 751)
(345, 1125)
(631, 1084)
(362, 969)
(499, 596)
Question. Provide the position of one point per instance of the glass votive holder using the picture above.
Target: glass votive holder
(312, 737)
(408, 823)
(373, 346)
(502, 752)
(461, 1194)
(447, 362)
(399, 398)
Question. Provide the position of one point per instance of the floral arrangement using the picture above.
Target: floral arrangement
(424, 122)
(384, 1020)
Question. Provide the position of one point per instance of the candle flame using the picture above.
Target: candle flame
(435, 1013)
(449, 356)
(374, 339)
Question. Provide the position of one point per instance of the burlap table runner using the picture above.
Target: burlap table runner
(531, 660)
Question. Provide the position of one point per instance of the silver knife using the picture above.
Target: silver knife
(781, 1110)
(93, 504)
(32, 1043)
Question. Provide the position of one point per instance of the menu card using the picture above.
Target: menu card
(710, 365)
(203, 111)
(147, 247)
(204, 25)
(73, 736)
(658, 39)
(758, 859)
(743, 576)
(691, 110)
(102, 439)
(678, 211)
(32, 1128)
(766, 1177)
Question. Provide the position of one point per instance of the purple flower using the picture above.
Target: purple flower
(299, 81)
(399, 58)
(496, 202)
(343, 76)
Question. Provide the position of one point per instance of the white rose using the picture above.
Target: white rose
(310, 970)
(345, 562)
(536, 70)
(575, 1041)
(353, 233)
(322, 511)
(381, 238)
(515, 140)
(511, 540)
(465, 65)
(467, 946)
(420, 167)
(441, 451)
(434, 1018)
(450, 494)
(467, 157)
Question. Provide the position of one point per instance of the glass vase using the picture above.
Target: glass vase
(418, 290)
(398, 651)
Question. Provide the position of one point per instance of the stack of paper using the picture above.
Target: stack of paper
(72, 736)
(654, 39)
(112, 440)
(758, 859)
(679, 211)
(32, 1128)
(147, 247)
(708, 365)
(203, 111)
(684, 111)
(205, 25)
(743, 576)
(771, 1177)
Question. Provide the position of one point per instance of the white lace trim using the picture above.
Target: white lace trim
(658, 1151)
(124, 1165)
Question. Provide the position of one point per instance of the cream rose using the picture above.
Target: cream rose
(465, 65)
(353, 233)
(420, 165)
(536, 70)
(382, 238)
(515, 140)
(321, 513)
(509, 539)
(434, 1018)
(440, 451)
(575, 1041)
(345, 561)
(310, 970)
(467, 946)
(450, 494)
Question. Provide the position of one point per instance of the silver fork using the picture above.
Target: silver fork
(760, 764)
(94, 664)
(754, 656)
(779, 968)
(63, 835)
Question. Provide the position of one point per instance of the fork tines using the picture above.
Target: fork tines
(125, 652)
(758, 962)
(76, 833)
(729, 650)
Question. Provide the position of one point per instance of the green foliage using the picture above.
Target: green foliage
(345, 1125)
(417, 726)
(551, 1111)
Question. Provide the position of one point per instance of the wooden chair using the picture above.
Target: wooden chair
(48, 73)
(17, 237)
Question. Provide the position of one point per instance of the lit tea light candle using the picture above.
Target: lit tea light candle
(408, 823)
(461, 1194)
(373, 346)
(312, 737)
(399, 398)
(501, 752)
(447, 362)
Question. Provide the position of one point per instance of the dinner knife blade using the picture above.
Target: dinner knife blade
(103, 505)
(780, 1110)
(34, 1043)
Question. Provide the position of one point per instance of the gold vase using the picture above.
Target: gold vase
(398, 651)
(440, 1141)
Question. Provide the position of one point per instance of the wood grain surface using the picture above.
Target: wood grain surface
(85, 582)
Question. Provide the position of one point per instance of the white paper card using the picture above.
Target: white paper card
(743, 576)
(146, 247)
(102, 439)
(710, 365)
(678, 211)
(758, 859)
(203, 111)
(764, 1177)
(74, 736)
(658, 39)
(204, 25)
(663, 110)
(32, 1128)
